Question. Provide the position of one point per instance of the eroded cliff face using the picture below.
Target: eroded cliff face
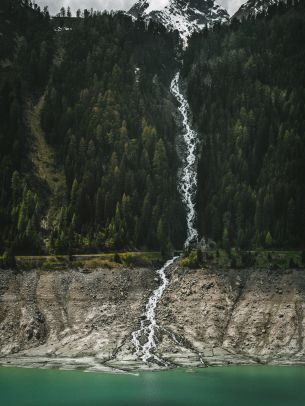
(238, 316)
(206, 317)
(68, 318)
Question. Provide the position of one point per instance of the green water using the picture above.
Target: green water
(259, 386)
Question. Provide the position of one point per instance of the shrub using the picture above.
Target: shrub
(190, 261)
(8, 259)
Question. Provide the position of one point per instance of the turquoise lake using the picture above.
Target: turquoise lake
(225, 386)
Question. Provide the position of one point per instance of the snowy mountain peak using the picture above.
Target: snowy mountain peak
(186, 16)
(254, 7)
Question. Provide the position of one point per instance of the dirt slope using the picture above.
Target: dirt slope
(206, 317)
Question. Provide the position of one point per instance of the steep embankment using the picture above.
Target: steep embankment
(237, 316)
(69, 314)
(42, 156)
(206, 316)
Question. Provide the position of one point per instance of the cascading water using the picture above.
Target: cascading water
(187, 188)
(188, 180)
(148, 323)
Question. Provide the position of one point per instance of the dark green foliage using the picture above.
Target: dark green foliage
(247, 259)
(109, 116)
(8, 260)
(292, 264)
(26, 51)
(239, 259)
(199, 256)
(117, 258)
(25, 215)
(246, 88)
(233, 263)
(190, 260)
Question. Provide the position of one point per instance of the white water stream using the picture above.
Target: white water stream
(148, 323)
(144, 339)
(188, 179)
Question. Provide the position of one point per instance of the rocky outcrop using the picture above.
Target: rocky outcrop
(206, 317)
(237, 316)
(68, 315)
(186, 17)
(252, 8)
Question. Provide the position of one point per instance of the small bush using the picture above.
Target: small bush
(117, 258)
(247, 259)
(134, 259)
(233, 263)
(191, 261)
(8, 260)
(99, 263)
(292, 264)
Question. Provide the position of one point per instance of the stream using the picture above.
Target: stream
(144, 339)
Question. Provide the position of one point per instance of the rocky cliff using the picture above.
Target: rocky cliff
(252, 8)
(206, 317)
(186, 17)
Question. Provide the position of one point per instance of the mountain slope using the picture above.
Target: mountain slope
(253, 7)
(245, 89)
(106, 118)
(42, 156)
(184, 16)
(115, 135)
(26, 52)
(109, 121)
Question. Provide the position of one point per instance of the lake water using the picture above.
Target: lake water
(225, 386)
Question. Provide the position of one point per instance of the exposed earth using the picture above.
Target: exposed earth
(209, 316)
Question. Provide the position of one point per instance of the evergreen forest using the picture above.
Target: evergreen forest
(245, 84)
(89, 153)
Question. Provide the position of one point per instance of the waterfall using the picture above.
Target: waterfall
(188, 180)
(187, 187)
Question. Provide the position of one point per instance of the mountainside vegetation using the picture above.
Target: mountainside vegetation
(245, 84)
(88, 131)
(26, 49)
(108, 116)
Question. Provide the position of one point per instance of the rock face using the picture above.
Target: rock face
(253, 7)
(184, 16)
(238, 315)
(206, 317)
(67, 317)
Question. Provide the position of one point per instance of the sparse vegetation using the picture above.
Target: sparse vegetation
(8, 259)
(264, 259)
(102, 260)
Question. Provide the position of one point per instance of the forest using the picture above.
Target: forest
(98, 84)
(26, 48)
(245, 84)
(108, 115)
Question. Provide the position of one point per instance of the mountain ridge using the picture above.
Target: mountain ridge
(252, 8)
(185, 17)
